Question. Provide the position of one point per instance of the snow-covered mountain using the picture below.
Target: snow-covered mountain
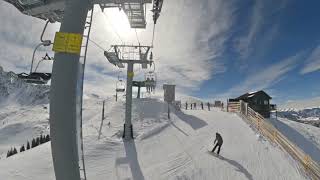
(15, 91)
(308, 116)
(301, 104)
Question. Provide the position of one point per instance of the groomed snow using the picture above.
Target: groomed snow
(163, 149)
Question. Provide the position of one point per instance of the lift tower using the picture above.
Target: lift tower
(130, 55)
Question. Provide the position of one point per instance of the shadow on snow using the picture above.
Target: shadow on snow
(234, 163)
(130, 160)
(193, 121)
(298, 139)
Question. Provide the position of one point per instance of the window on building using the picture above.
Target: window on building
(266, 102)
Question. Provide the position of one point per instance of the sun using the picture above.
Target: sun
(119, 22)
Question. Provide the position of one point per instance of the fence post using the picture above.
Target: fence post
(246, 106)
(227, 105)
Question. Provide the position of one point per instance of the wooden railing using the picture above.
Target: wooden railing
(311, 167)
(233, 107)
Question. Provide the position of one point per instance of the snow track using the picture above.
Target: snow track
(164, 149)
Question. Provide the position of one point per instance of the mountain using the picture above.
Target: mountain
(301, 104)
(15, 91)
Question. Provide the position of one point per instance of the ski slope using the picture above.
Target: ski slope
(162, 149)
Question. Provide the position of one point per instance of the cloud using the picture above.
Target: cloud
(265, 78)
(259, 31)
(312, 62)
(190, 38)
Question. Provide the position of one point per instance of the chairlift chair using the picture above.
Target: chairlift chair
(150, 81)
(120, 86)
(37, 77)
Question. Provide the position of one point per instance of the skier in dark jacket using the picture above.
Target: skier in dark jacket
(202, 105)
(218, 144)
(208, 106)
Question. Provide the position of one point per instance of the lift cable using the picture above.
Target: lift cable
(137, 36)
(113, 28)
(97, 45)
(154, 27)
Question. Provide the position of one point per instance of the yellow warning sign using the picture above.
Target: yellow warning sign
(67, 42)
(130, 74)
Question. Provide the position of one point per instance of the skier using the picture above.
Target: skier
(221, 106)
(195, 105)
(218, 144)
(191, 106)
(208, 104)
(202, 105)
(186, 105)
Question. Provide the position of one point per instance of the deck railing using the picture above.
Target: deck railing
(311, 167)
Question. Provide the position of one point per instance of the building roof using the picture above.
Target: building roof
(251, 94)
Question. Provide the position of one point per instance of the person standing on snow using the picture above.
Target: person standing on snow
(195, 105)
(208, 106)
(218, 144)
(202, 105)
(186, 105)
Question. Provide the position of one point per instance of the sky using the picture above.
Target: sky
(212, 49)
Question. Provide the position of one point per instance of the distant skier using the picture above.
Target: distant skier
(195, 105)
(218, 144)
(186, 105)
(221, 106)
(202, 105)
(191, 106)
(208, 104)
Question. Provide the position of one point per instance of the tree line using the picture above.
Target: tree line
(34, 143)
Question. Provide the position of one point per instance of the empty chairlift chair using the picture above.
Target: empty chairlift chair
(120, 86)
(37, 77)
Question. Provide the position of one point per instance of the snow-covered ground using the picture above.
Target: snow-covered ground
(163, 149)
(305, 136)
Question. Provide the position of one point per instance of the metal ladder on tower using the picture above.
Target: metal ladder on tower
(83, 57)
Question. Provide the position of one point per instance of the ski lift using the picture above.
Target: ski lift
(120, 85)
(151, 80)
(37, 77)
(33, 76)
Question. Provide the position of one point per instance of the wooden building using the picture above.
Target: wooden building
(259, 101)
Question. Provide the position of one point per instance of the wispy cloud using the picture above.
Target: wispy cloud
(265, 78)
(312, 62)
(190, 39)
(261, 13)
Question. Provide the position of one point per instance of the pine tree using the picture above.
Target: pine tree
(28, 145)
(15, 150)
(47, 138)
(38, 141)
(33, 143)
(22, 148)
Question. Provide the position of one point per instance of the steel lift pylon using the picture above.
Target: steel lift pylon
(130, 55)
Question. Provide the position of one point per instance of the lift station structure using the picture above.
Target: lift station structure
(70, 46)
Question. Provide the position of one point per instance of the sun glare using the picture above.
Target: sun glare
(119, 21)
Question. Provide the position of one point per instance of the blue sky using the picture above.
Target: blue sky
(214, 49)
(270, 32)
